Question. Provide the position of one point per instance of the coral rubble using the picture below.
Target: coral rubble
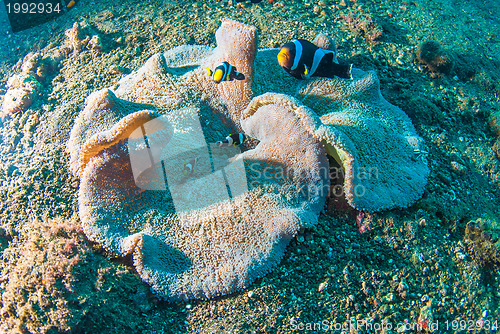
(24, 88)
(76, 42)
(363, 25)
(481, 236)
(21, 93)
(51, 281)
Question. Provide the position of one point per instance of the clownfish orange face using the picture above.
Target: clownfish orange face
(285, 58)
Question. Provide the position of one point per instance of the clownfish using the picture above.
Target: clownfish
(302, 60)
(225, 72)
(189, 167)
(233, 139)
(71, 4)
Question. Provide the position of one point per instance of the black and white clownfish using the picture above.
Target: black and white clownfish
(225, 72)
(233, 139)
(189, 167)
(302, 60)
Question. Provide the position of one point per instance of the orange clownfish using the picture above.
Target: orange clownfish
(302, 60)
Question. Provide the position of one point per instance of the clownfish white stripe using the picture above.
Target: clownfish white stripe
(233, 139)
(298, 54)
(190, 166)
(225, 72)
(318, 56)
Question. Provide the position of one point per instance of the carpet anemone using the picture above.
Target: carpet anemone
(202, 220)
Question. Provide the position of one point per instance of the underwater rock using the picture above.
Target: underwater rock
(215, 229)
(95, 43)
(76, 42)
(39, 65)
(21, 93)
(437, 60)
(15, 100)
(24, 81)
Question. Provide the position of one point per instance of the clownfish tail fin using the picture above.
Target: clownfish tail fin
(239, 76)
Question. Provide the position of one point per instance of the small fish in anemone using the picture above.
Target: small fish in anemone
(236, 139)
(302, 60)
(190, 167)
(225, 72)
